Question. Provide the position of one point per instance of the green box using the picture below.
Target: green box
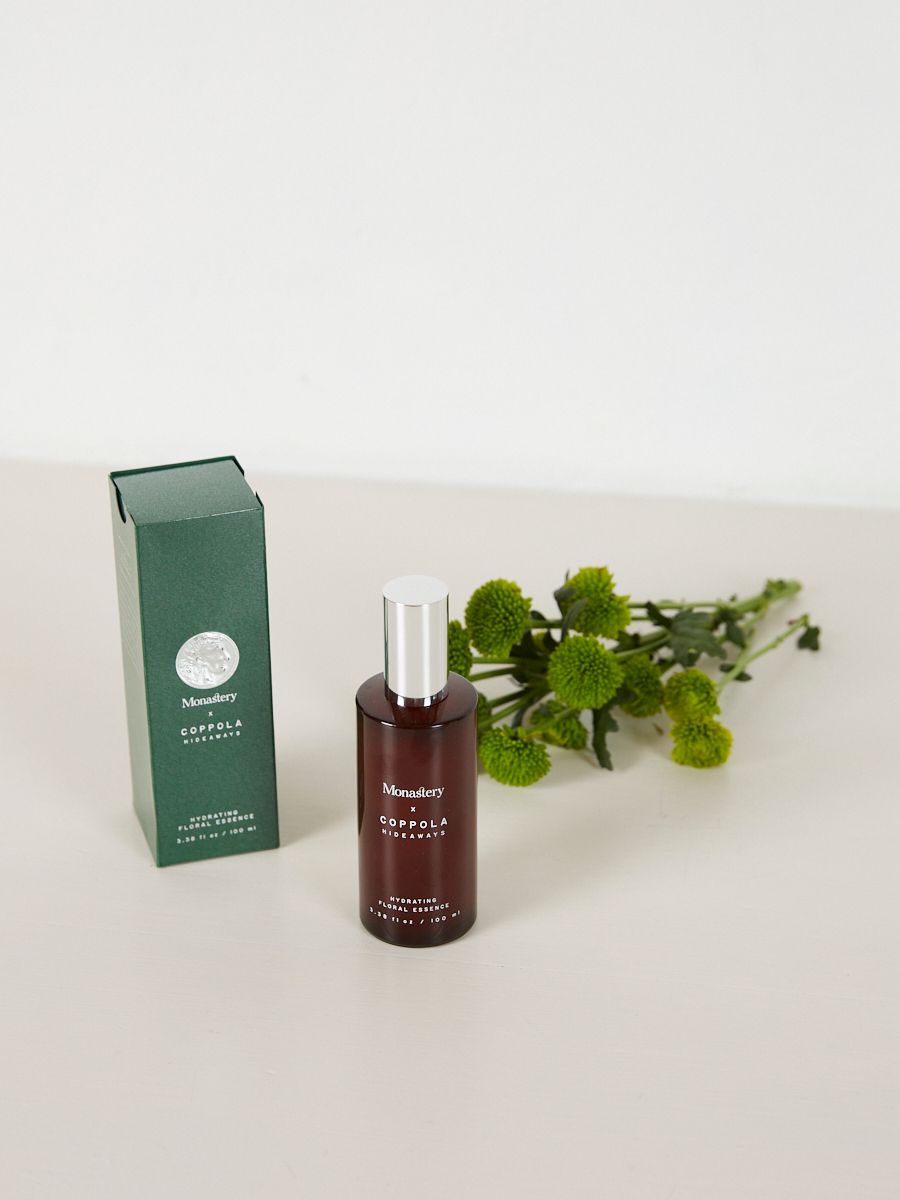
(193, 606)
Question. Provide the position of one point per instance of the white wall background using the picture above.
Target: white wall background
(640, 247)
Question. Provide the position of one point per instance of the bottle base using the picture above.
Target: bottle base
(404, 936)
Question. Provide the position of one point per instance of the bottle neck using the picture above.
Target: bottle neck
(415, 701)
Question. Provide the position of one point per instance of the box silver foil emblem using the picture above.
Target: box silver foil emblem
(207, 660)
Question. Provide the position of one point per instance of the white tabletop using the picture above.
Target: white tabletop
(681, 984)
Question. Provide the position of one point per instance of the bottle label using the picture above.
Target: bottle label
(413, 822)
(414, 912)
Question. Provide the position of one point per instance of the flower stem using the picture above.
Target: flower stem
(781, 589)
(748, 656)
(676, 604)
(510, 708)
(514, 662)
(509, 696)
(650, 641)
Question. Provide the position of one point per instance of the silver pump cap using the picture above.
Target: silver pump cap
(416, 614)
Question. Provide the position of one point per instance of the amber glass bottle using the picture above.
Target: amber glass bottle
(416, 762)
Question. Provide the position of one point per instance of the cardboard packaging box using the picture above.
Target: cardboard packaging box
(193, 606)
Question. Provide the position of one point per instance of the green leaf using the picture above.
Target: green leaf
(690, 636)
(603, 723)
(734, 633)
(571, 615)
(545, 640)
(527, 648)
(725, 667)
(657, 616)
(809, 638)
(562, 594)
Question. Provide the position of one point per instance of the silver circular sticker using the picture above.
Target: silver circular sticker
(207, 660)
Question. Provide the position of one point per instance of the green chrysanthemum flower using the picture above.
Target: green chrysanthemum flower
(690, 693)
(605, 614)
(643, 679)
(584, 674)
(497, 616)
(559, 725)
(510, 756)
(701, 742)
(459, 655)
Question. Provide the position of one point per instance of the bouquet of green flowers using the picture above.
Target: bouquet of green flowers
(603, 653)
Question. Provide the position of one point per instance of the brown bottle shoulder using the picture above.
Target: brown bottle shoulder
(459, 703)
